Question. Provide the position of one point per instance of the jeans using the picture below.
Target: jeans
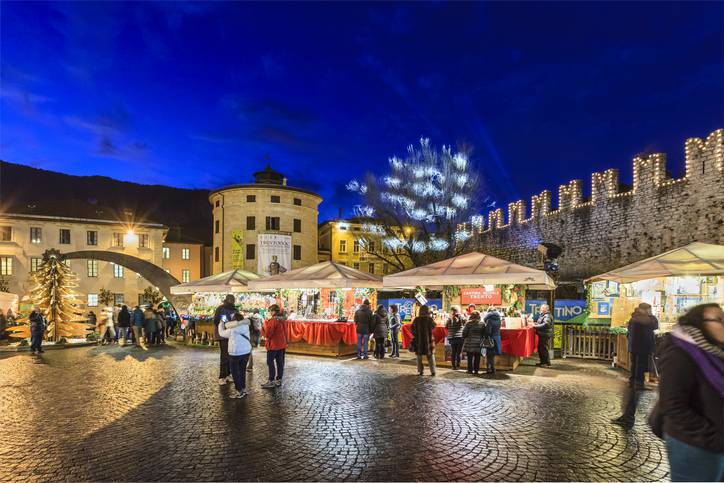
(490, 355)
(689, 463)
(363, 339)
(275, 357)
(122, 333)
(237, 367)
(473, 362)
(223, 358)
(456, 346)
(545, 358)
(380, 347)
(138, 335)
(36, 340)
(395, 336)
(430, 363)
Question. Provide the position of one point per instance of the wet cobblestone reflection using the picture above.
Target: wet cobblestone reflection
(119, 414)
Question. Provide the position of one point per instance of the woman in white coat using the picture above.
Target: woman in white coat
(238, 333)
(109, 332)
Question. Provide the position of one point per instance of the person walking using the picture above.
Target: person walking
(421, 330)
(124, 324)
(37, 330)
(238, 335)
(109, 331)
(641, 345)
(255, 326)
(454, 326)
(689, 415)
(395, 326)
(160, 326)
(226, 312)
(472, 337)
(276, 346)
(364, 323)
(149, 324)
(543, 329)
(380, 330)
(492, 330)
(138, 321)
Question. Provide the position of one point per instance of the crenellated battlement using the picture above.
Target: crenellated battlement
(704, 159)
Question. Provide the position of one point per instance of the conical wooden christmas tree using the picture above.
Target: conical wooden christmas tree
(55, 296)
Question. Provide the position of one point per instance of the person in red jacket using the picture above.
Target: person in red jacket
(276, 346)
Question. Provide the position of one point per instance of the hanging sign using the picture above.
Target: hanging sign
(275, 253)
(237, 249)
(480, 296)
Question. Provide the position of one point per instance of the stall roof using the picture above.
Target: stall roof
(470, 269)
(231, 281)
(321, 275)
(693, 259)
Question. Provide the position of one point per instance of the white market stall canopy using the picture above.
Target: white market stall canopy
(231, 281)
(471, 269)
(321, 275)
(693, 259)
(8, 301)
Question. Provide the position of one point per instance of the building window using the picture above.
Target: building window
(216, 226)
(297, 252)
(343, 246)
(185, 254)
(117, 240)
(64, 236)
(250, 251)
(275, 199)
(185, 277)
(92, 300)
(372, 268)
(6, 233)
(298, 201)
(355, 249)
(36, 234)
(251, 198)
(117, 271)
(35, 263)
(297, 225)
(251, 223)
(371, 246)
(91, 237)
(6, 265)
(217, 203)
(165, 253)
(216, 254)
(92, 268)
(356, 265)
(143, 240)
(118, 299)
(272, 223)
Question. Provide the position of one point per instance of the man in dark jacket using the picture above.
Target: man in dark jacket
(138, 321)
(544, 329)
(227, 310)
(37, 330)
(364, 321)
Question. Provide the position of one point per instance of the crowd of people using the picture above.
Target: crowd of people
(141, 326)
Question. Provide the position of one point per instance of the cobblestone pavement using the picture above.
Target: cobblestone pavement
(102, 413)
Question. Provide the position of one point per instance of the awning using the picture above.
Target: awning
(321, 275)
(693, 259)
(225, 282)
(471, 269)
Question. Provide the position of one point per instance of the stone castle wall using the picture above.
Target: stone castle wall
(613, 228)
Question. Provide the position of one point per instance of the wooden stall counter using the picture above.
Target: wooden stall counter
(321, 337)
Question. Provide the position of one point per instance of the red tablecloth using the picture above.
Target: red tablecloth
(515, 342)
(320, 333)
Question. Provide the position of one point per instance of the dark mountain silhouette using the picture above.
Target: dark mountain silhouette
(27, 190)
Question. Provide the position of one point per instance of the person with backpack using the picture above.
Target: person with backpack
(395, 326)
(225, 312)
(237, 333)
(381, 331)
(472, 339)
(138, 320)
(276, 346)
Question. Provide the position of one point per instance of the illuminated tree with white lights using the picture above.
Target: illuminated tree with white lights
(415, 212)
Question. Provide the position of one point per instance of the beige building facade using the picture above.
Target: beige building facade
(24, 238)
(260, 224)
(184, 260)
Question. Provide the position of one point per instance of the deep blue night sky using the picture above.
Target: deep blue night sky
(196, 95)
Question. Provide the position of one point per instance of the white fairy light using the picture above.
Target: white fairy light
(392, 243)
(459, 200)
(462, 235)
(353, 185)
(418, 214)
(461, 179)
(460, 161)
(438, 245)
(418, 246)
(392, 181)
(396, 163)
(373, 229)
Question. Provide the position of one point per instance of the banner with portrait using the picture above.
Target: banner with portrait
(237, 249)
(275, 254)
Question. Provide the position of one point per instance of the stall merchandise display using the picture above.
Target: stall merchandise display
(203, 304)
(325, 304)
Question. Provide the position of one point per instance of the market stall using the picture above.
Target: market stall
(208, 293)
(320, 301)
(486, 282)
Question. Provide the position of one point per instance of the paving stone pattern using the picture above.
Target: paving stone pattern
(101, 413)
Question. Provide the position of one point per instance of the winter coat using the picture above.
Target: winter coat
(363, 319)
(124, 318)
(149, 320)
(454, 327)
(226, 309)
(276, 333)
(492, 330)
(108, 315)
(239, 337)
(37, 322)
(138, 317)
(255, 326)
(381, 324)
(641, 329)
(422, 334)
(544, 325)
(395, 322)
(473, 334)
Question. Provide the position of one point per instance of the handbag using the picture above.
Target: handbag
(487, 342)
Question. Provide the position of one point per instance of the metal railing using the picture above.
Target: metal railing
(588, 343)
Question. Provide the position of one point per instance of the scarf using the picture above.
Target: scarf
(707, 356)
